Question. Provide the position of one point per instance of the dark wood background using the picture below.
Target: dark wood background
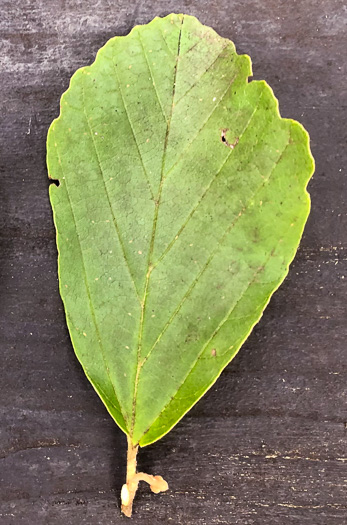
(267, 444)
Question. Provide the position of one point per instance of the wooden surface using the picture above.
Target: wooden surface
(267, 444)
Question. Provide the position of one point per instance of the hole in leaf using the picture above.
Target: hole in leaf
(56, 182)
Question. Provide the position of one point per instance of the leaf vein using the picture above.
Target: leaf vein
(214, 333)
(109, 200)
(176, 237)
(210, 258)
(151, 73)
(201, 128)
(132, 129)
(88, 292)
(165, 42)
(155, 218)
(204, 73)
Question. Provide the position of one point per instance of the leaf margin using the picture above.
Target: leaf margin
(74, 78)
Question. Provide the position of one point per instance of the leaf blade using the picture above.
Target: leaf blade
(173, 227)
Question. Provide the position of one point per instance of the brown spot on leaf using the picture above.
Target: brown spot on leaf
(225, 141)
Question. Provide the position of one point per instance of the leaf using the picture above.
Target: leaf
(181, 202)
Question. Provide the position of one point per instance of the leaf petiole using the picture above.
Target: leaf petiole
(156, 483)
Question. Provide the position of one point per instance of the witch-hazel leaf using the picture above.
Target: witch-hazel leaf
(181, 203)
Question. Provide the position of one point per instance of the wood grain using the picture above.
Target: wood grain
(267, 444)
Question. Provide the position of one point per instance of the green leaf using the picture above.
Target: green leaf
(181, 203)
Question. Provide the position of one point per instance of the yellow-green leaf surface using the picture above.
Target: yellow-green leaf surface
(181, 203)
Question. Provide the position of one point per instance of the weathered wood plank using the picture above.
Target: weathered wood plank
(268, 443)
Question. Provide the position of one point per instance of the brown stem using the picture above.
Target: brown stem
(157, 483)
